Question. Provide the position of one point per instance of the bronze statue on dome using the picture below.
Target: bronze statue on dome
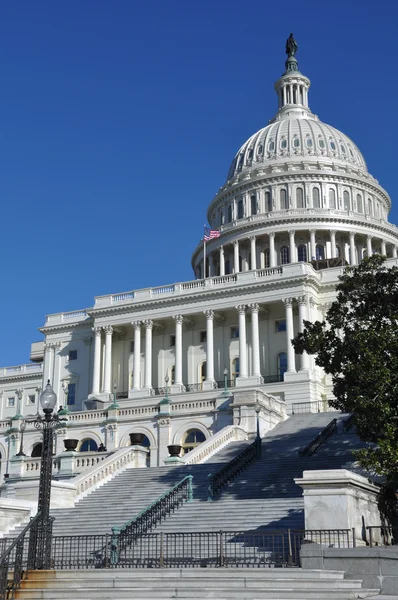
(291, 46)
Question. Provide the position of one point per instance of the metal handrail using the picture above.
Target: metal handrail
(349, 423)
(16, 561)
(320, 439)
(222, 477)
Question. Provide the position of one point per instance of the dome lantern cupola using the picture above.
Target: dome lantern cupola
(292, 88)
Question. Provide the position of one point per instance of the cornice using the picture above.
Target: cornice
(65, 328)
(21, 377)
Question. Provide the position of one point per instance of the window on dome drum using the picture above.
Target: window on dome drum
(253, 205)
(72, 355)
(280, 325)
(260, 149)
(11, 401)
(235, 370)
(308, 142)
(283, 200)
(192, 438)
(321, 143)
(296, 142)
(332, 145)
(250, 153)
(234, 332)
(320, 252)
(299, 198)
(332, 198)
(285, 255)
(346, 199)
(283, 144)
(271, 146)
(71, 397)
(203, 336)
(316, 198)
(229, 213)
(282, 363)
(131, 346)
(302, 253)
(203, 371)
(240, 264)
(351, 152)
(359, 203)
(338, 251)
(370, 206)
(88, 445)
(240, 209)
(172, 341)
(227, 267)
(268, 202)
(266, 258)
(173, 375)
(342, 148)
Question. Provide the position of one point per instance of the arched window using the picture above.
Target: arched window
(316, 198)
(370, 206)
(320, 252)
(346, 198)
(229, 213)
(36, 452)
(240, 209)
(283, 144)
(308, 142)
(266, 258)
(296, 142)
(235, 368)
(285, 255)
(253, 205)
(191, 439)
(359, 203)
(172, 375)
(332, 198)
(88, 445)
(282, 364)
(268, 202)
(302, 253)
(283, 200)
(299, 198)
(202, 371)
(321, 143)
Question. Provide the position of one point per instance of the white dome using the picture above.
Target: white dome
(291, 137)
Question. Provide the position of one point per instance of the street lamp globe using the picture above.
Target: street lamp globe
(48, 398)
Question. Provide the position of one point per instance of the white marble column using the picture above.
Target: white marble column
(242, 342)
(222, 261)
(369, 249)
(48, 371)
(253, 265)
(291, 368)
(394, 252)
(97, 360)
(108, 359)
(272, 261)
(209, 383)
(254, 308)
(137, 356)
(148, 323)
(236, 256)
(333, 243)
(292, 244)
(303, 316)
(353, 258)
(313, 244)
(383, 248)
(178, 319)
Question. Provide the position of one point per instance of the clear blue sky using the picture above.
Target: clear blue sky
(119, 119)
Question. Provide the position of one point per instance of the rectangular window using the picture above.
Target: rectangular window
(172, 341)
(203, 337)
(11, 401)
(71, 394)
(280, 325)
(234, 332)
(32, 399)
(132, 347)
(72, 354)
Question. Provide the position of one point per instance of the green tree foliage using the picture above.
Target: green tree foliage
(357, 345)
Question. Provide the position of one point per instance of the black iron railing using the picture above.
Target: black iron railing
(230, 383)
(349, 423)
(235, 466)
(273, 378)
(18, 557)
(380, 535)
(121, 395)
(300, 408)
(320, 439)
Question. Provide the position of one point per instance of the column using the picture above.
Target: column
(293, 256)
(369, 245)
(222, 261)
(303, 316)
(383, 248)
(108, 359)
(137, 356)
(333, 243)
(211, 265)
(148, 354)
(236, 256)
(272, 262)
(394, 252)
(209, 383)
(254, 308)
(242, 342)
(353, 258)
(178, 319)
(253, 265)
(284, 95)
(313, 244)
(289, 335)
(49, 352)
(97, 360)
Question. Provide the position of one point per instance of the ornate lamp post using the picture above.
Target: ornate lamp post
(114, 404)
(225, 392)
(257, 408)
(22, 428)
(43, 533)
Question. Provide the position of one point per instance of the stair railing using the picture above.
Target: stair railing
(151, 516)
(320, 439)
(235, 466)
(349, 423)
(19, 558)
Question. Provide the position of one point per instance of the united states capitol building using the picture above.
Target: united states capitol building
(184, 363)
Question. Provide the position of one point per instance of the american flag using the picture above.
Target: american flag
(210, 234)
